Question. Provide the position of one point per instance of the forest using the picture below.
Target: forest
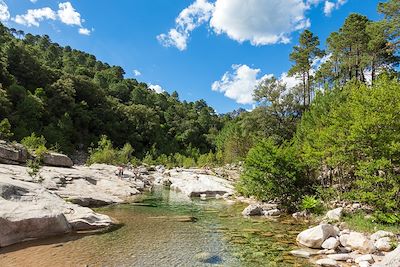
(335, 135)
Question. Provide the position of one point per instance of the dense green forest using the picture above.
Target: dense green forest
(335, 135)
(72, 99)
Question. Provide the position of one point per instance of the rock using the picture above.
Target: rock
(205, 257)
(364, 264)
(300, 215)
(22, 222)
(194, 183)
(203, 196)
(343, 239)
(301, 253)
(29, 211)
(340, 257)
(383, 244)
(57, 160)
(327, 262)
(380, 234)
(12, 153)
(367, 258)
(392, 259)
(92, 186)
(331, 243)
(315, 236)
(252, 210)
(274, 212)
(358, 241)
(334, 215)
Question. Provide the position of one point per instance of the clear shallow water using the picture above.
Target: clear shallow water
(158, 232)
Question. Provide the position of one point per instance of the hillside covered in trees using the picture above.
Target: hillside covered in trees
(72, 99)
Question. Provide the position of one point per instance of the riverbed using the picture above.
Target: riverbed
(165, 228)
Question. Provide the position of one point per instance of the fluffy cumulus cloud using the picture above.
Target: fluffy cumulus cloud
(66, 14)
(34, 16)
(240, 83)
(4, 13)
(190, 18)
(156, 88)
(261, 22)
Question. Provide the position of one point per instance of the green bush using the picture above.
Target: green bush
(5, 130)
(311, 204)
(34, 142)
(274, 172)
(107, 154)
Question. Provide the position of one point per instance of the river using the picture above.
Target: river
(164, 228)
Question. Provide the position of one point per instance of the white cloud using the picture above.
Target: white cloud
(137, 73)
(156, 88)
(261, 22)
(33, 1)
(68, 15)
(4, 13)
(240, 84)
(34, 16)
(85, 31)
(190, 18)
(330, 6)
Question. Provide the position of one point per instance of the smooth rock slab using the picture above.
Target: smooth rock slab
(392, 259)
(340, 257)
(327, 263)
(29, 211)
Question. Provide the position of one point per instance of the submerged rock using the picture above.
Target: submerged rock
(253, 210)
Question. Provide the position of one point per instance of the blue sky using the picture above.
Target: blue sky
(188, 45)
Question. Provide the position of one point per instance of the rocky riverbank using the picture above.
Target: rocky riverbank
(60, 201)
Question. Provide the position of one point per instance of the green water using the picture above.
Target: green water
(167, 229)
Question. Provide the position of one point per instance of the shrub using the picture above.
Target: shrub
(273, 172)
(311, 204)
(5, 130)
(34, 142)
(104, 153)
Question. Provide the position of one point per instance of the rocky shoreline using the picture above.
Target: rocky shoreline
(60, 203)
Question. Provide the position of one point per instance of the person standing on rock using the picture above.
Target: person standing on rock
(120, 171)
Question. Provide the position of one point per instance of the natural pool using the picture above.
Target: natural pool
(166, 229)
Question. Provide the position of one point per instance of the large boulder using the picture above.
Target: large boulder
(12, 153)
(194, 183)
(314, 237)
(20, 222)
(57, 160)
(383, 244)
(392, 259)
(358, 241)
(29, 211)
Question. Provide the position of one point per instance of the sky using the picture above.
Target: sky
(217, 50)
